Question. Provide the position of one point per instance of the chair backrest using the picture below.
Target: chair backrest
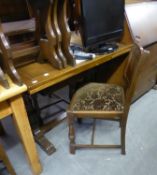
(136, 59)
(13, 10)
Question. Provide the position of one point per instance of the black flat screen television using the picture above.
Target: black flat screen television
(102, 22)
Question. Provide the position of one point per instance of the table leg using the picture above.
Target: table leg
(34, 114)
(43, 142)
(25, 133)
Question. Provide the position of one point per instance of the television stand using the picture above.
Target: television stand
(106, 48)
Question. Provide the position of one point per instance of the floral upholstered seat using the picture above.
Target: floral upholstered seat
(98, 97)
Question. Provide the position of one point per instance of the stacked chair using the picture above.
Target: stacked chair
(56, 45)
(62, 13)
(17, 42)
(34, 31)
(51, 45)
(3, 79)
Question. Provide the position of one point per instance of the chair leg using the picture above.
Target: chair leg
(120, 123)
(2, 131)
(123, 133)
(79, 120)
(71, 134)
(6, 161)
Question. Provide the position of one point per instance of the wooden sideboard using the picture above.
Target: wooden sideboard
(143, 25)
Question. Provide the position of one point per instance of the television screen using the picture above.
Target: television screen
(101, 21)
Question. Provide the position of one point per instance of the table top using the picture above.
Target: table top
(40, 76)
(14, 90)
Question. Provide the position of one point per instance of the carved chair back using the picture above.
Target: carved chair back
(18, 42)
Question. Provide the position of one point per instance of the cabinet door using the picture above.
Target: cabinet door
(148, 76)
(146, 81)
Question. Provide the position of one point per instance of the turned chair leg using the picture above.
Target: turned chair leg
(123, 133)
(71, 134)
(2, 130)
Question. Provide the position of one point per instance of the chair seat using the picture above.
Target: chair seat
(98, 97)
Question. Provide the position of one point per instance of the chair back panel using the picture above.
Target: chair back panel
(13, 10)
(132, 71)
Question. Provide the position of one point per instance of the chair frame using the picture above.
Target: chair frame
(3, 79)
(48, 45)
(131, 74)
(7, 58)
(7, 54)
(65, 31)
(58, 33)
